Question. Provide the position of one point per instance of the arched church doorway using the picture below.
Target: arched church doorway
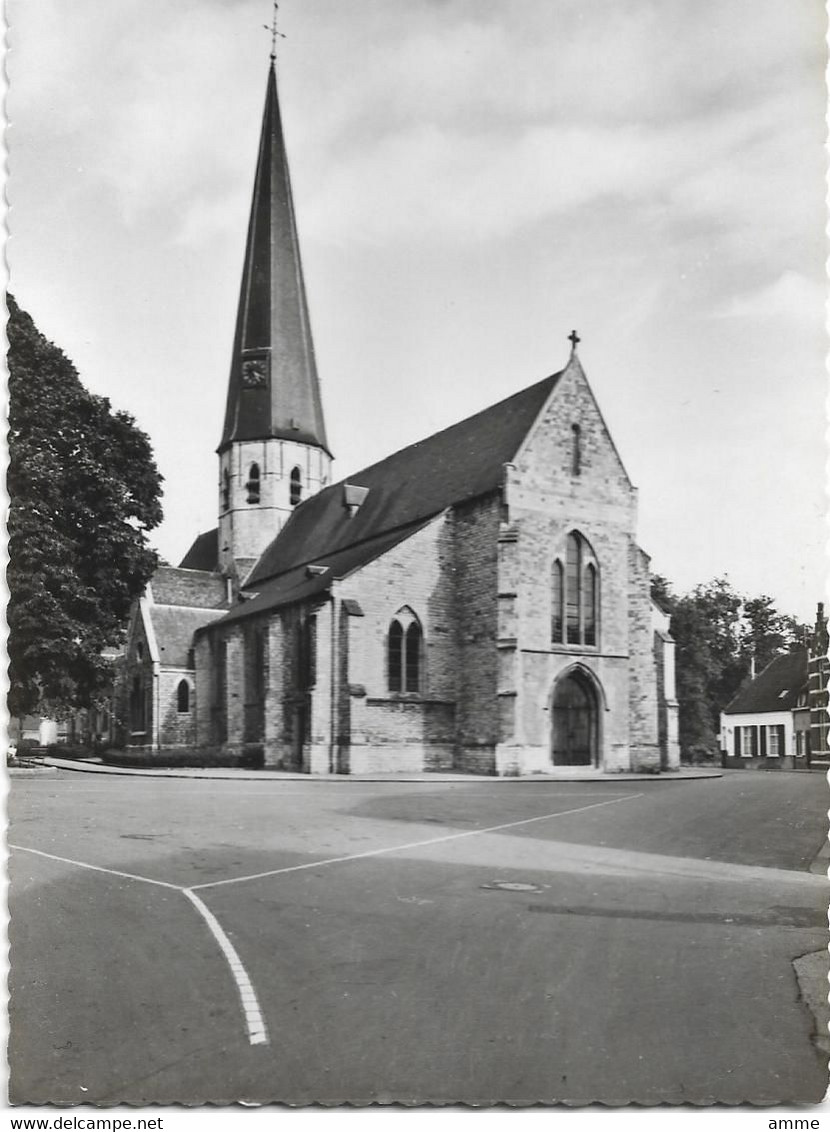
(575, 721)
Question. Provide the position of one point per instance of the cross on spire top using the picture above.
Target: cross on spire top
(274, 32)
(574, 338)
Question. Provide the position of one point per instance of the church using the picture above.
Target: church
(476, 602)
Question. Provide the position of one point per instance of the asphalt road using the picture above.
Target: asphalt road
(210, 941)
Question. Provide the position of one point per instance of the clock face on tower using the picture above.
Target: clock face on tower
(253, 373)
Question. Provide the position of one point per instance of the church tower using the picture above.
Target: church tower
(273, 452)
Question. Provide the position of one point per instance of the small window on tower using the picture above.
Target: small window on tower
(253, 484)
(296, 486)
(226, 489)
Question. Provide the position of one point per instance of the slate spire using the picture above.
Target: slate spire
(273, 390)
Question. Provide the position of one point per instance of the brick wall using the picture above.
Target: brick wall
(176, 729)
(645, 746)
(483, 615)
(192, 588)
(379, 729)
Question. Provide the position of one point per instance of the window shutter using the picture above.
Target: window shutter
(781, 749)
(754, 731)
(763, 742)
(737, 740)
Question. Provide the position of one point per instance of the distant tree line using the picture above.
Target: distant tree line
(718, 633)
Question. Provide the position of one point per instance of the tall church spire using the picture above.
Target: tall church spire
(273, 391)
(273, 453)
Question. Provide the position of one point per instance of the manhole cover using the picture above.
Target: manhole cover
(513, 886)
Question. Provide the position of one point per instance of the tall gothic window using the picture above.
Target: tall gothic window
(589, 604)
(253, 483)
(404, 656)
(558, 597)
(572, 589)
(296, 488)
(576, 450)
(183, 697)
(575, 594)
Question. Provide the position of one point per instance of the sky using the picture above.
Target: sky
(473, 179)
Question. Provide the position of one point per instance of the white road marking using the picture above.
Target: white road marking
(97, 868)
(413, 844)
(257, 1034)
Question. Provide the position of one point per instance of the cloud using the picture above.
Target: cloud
(791, 297)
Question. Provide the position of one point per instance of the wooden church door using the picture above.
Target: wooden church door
(574, 722)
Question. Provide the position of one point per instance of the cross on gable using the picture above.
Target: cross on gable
(574, 338)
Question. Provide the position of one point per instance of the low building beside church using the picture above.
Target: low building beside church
(477, 601)
(779, 720)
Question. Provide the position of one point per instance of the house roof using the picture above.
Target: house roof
(457, 464)
(776, 688)
(172, 585)
(174, 628)
(204, 553)
(273, 389)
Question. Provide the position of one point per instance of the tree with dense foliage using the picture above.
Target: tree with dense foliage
(718, 633)
(84, 491)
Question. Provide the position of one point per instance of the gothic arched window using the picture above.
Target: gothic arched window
(296, 486)
(253, 483)
(575, 594)
(183, 697)
(589, 604)
(558, 597)
(573, 579)
(404, 655)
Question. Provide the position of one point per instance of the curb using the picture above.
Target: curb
(232, 774)
(811, 974)
(821, 861)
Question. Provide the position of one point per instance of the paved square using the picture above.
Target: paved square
(482, 941)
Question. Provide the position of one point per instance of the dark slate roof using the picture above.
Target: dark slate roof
(776, 688)
(174, 628)
(299, 584)
(204, 553)
(273, 389)
(458, 464)
(175, 586)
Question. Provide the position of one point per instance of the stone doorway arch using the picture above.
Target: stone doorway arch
(576, 720)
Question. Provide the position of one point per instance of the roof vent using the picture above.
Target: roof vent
(353, 497)
(315, 571)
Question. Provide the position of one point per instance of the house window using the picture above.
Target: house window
(748, 741)
(576, 450)
(575, 595)
(226, 489)
(775, 740)
(404, 656)
(183, 697)
(253, 484)
(296, 486)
